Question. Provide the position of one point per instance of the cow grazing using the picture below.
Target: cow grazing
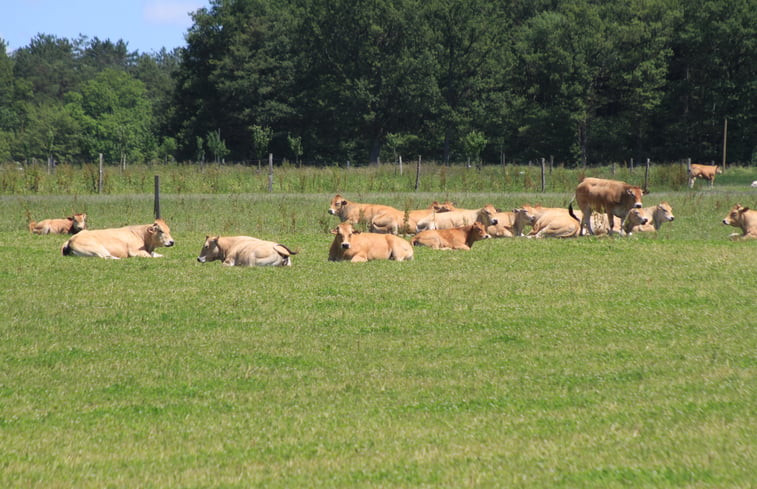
(458, 218)
(355, 212)
(656, 216)
(744, 218)
(707, 172)
(611, 197)
(451, 239)
(125, 242)
(395, 221)
(245, 251)
(352, 245)
(68, 225)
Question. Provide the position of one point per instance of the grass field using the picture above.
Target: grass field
(587, 363)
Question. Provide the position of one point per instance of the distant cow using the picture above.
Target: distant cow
(395, 221)
(611, 197)
(451, 239)
(68, 225)
(656, 216)
(352, 245)
(125, 242)
(744, 218)
(707, 172)
(245, 251)
(354, 212)
(458, 218)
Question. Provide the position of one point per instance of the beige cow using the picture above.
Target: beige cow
(611, 197)
(354, 246)
(395, 221)
(451, 239)
(458, 218)
(355, 212)
(68, 225)
(125, 242)
(245, 251)
(744, 218)
(656, 216)
(706, 172)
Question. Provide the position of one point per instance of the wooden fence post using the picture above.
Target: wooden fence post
(646, 176)
(270, 172)
(100, 179)
(725, 139)
(543, 174)
(157, 197)
(418, 173)
(400, 165)
(630, 168)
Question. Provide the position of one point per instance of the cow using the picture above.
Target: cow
(451, 239)
(395, 221)
(68, 225)
(707, 172)
(744, 218)
(635, 219)
(555, 223)
(125, 242)
(355, 212)
(354, 246)
(612, 197)
(245, 251)
(509, 224)
(458, 218)
(656, 216)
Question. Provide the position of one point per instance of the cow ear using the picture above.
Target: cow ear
(344, 202)
(743, 209)
(355, 231)
(334, 231)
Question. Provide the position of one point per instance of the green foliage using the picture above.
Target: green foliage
(216, 145)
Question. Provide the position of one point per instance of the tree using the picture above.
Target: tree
(217, 146)
(261, 138)
(295, 146)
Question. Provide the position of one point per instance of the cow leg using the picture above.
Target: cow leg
(359, 259)
(691, 182)
(586, 222)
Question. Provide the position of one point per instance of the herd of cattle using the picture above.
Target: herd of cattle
(604, 207)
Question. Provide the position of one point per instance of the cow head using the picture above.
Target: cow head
(210, 250)
(337, 204)
(735, 216)
(635, 217)
(160, 234)
(78, 223)
(477, 232)
(664, 212)
(344, 233)
(486, 215)
(633, 195)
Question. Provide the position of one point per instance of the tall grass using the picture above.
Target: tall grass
(592, 362)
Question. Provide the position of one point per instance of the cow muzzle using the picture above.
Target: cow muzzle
(201, 259)
(637, 205)
(169, 244)
(332, 211)
(345, 245)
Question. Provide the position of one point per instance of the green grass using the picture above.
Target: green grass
(593, 362)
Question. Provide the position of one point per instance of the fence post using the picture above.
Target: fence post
(270, 172)
(157, 197)
(630, 168)
(646, 176)
(543, 174)
(400, 165)
(100, 179)
(418, 173)
(725, 139)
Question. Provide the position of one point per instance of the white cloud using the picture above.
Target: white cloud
(170, 12)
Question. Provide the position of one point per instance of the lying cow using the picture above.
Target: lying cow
(611, 197)
(458, 218)
(352, 245)
(509, 224)
(354, 212)
(656, 216)
(744, 218)
(125, 242)
(555, 223)
(68, 225)
(707, 172)
(451, 239)
(245, 251)
(395, 221)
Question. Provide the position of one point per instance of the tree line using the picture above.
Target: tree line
(325, 81)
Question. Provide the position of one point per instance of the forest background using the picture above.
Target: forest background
(325, 81)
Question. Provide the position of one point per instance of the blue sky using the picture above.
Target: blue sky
(145, 25)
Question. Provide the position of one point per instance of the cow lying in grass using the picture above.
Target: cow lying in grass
(245, 251)
(352, 245)
(125, 242)
(67, 225)
(451, 239)
(744, 218)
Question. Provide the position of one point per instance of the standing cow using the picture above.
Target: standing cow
(707, 172)
(612, 197)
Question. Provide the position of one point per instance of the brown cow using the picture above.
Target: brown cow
(744, 218)
(656, 216)
(352, 245)
(125, 242)
(451, 239)
(612, 197)
(355, 212)
(68, 225)
(458, 218)
(707, 172)
(245, 251)
(395, 221)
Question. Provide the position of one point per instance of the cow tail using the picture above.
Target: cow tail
(570, 211)
(66, 249)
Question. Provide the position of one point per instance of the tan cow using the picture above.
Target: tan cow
(509, 224)
(611, 197)
(451, 239)
(245, 251)
(68, 225)
(125, 242)
(707, 172)
(656, 216)
(555, 223)
(352, 245)
(458, 218)
(355, 212)
(744, 218)
(395, 221)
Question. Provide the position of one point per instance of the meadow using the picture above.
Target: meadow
(594, 362)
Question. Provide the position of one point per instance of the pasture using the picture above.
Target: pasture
(591, 362)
